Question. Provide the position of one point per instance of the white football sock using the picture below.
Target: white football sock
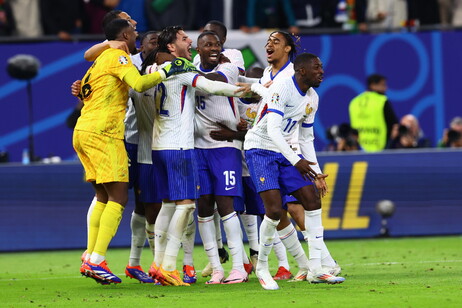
(251, 230)
(216, 221)
(137, 224)
(188, 241)
(90, 210)
(150, 235)
(267, 232)
(175, 232)
(162, 222)
(289, 238)
(280, 251)
(207, 232)
(313, 226)
(233, 235)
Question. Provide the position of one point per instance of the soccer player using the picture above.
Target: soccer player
(236, 58)
(98, 140)
(173, 148)
(277, 170)
(138, 139)
(281, 50)
(234, 55)
(219, 164)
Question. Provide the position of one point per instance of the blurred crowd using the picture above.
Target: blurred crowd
(374, 126)
(64, 18)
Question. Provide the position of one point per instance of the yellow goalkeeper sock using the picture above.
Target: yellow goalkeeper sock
(109, 224)
(93, 226)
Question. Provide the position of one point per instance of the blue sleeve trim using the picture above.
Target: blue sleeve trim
(307, 125)
(276, 111)
(221, 73)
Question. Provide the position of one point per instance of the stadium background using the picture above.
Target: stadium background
(423, 76)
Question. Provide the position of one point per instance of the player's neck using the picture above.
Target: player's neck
(278, 64)
(301, 85)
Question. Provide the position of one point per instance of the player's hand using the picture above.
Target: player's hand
(75, 87)
(321, 184)
(244, 89)
(119, 45)
(223, 59)
(177, 66)
(242, 125)
(268, 84)
(304, 167)
(224, 134)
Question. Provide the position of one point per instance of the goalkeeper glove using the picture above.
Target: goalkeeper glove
(177, 66)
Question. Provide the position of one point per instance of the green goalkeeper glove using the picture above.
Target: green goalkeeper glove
(177, 66)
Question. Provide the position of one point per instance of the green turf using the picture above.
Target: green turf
(408, 272)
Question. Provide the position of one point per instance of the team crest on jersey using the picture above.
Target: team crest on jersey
(262, 179)
(308, 109)
(275, 98)
(198, 187)
(123, 60)
(250, 114)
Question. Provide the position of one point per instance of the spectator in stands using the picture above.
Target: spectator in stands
(26, 14)
(454, 126)
(420, 13)
(408, 134)
(135, 8)
(162, 13)
(454, 139)
(6, 18)
(270, 14)
(342, 138)
(61, 18)
(93, 14)
(450, 12)
(372, 115)
(457, 13)
(386, 14)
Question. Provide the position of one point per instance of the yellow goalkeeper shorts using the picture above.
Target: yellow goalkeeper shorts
(104, 158)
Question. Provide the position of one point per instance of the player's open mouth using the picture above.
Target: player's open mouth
(269, 52)
(213, 56)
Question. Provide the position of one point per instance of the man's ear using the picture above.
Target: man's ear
(171, 47)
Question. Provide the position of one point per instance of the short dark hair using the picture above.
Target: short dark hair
(289, 42)
(221, 26)
(206, 33)
(113, 29)
(110, 16)
(374, 79)
(167, 36)
(145, 34)
(303, 58)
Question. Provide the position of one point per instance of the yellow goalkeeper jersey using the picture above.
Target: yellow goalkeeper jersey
(105, 94)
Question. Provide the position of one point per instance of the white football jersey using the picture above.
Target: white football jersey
(174, 121)
(286, 71)
(234, 56)
(294, 106)
(145, 109)
(131, 129)
(211, 109)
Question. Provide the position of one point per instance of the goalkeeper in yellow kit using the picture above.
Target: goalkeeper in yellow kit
(98, 139)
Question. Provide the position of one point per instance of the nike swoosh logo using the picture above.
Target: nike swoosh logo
(319, 237)
(229, 188)
(146, 94)
(290, 106)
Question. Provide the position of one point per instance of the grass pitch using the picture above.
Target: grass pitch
(405, 272)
